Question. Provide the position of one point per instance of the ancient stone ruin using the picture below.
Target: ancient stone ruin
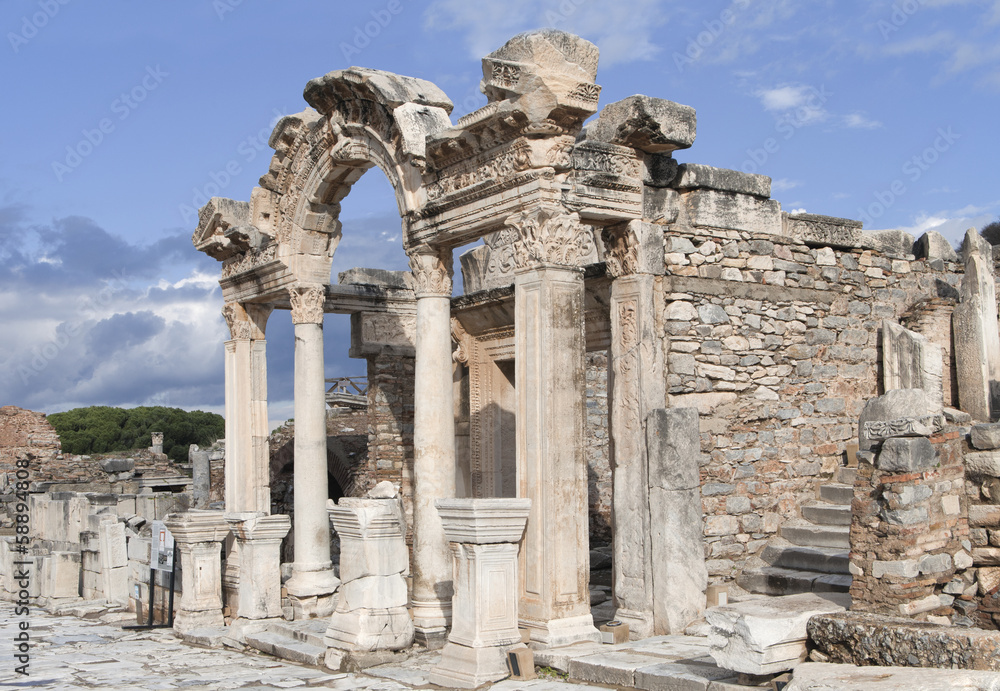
(795, 408)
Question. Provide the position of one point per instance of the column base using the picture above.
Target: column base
(462, 667)
(559, 632)
(312, 606)
(430, 622)
(310, 580)
(365, 630)
(187, 621)
(640, 624)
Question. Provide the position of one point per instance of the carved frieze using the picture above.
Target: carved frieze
(432, 272)
(249, 260)
(493, 170)
(903, 427)
(307, 304)
(386, 328)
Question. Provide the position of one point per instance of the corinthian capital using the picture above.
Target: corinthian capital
(432, 271)
(307, 304)
(550, 235)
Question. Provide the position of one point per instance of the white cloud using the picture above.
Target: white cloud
(624, 32)
(803, 104)
(861, 121)
(783, 185)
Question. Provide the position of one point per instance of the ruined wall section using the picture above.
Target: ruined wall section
(776, 343)
(599, 484)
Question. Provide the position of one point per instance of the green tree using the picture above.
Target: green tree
(102, 429)
(991, 231)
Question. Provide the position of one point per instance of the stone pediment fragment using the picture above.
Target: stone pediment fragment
(653, 125)
(223, 228)
(548, 74)
(391, 90)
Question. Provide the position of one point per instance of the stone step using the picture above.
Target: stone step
(827, 514)
(287, 648)
(770, 580)
(809, 535)
(836, 493)
(309, 631)
(788, 556)
(847, 475)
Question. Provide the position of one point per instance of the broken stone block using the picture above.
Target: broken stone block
(653, 125)
(933, 246)
(697, 176)
(371, 609)
(898, 413)
(870, 639)
(983, 464)
(906, 455)
(766, 636)
(986, 436)
(117, 465)
(911, 361)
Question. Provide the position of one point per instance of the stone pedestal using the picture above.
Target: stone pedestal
(484, 534)
(371, 610)
(433, 445)
(313, 582)
(199, 536)
(551, 467)
(259, 539)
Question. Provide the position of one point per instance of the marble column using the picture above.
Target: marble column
(199, 536)
(433, 444)
(636, 385)
(484, 536)
(247, 456)
(551, 465)
(313, 582)
(259, 538)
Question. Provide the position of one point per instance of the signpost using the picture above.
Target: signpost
(161, 558)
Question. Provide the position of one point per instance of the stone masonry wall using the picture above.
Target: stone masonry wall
(776, 344)
(599, 485)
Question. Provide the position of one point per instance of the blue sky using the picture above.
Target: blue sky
(120, 118)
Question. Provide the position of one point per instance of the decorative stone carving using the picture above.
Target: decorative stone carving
(432, 272)
(548, 235)
(462, 341)
(911, 361)
(484, 534)
(307, 304)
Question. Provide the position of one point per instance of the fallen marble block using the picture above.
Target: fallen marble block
(870, 639)
(766, 635)
(817, 676)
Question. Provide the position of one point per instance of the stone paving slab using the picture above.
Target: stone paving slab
(813, 676)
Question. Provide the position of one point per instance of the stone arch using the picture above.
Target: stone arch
(359, 119)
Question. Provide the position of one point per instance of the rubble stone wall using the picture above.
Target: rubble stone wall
(777, 345)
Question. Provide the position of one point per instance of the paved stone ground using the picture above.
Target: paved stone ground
(72, 653)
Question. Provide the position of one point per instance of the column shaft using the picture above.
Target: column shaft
(312, 573)
(433, 468)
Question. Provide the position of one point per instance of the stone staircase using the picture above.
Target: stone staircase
(295, 641)
(809, 554)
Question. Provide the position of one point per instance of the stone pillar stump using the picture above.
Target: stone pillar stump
(259, 539)
(199, 536)
(371, 610)
(484, 536)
